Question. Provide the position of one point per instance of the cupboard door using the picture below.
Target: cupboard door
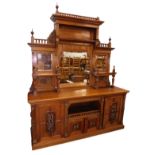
(84, 124)
(113, 110)
(51, 119)
(93, 123)
(76, 126)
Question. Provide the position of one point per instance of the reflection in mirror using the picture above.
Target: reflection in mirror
(44, 61)
(74, 67)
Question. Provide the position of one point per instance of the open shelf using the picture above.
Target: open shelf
(84, 107)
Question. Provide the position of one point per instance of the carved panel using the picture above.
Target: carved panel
(113, 112)
(50, 122)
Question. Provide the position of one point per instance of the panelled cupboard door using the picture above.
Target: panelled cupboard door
(84, 124)
(113, 110)
(50, 119)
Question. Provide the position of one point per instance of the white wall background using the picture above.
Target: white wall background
(130, 23)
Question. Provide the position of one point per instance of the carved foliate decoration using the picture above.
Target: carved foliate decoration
(113, 112)
(50, 122)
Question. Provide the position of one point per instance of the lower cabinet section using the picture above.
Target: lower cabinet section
(55, 122)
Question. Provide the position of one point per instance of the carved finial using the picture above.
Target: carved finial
(110, 40)
(109, 44)
(113, 69)
(32, 33)
(32, 37)
(113, 76)
(57, 7)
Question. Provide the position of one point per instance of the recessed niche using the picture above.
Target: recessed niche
(84, 107)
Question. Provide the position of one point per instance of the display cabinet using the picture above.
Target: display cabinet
(73, 94)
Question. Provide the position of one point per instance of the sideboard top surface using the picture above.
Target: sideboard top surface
(73, 93)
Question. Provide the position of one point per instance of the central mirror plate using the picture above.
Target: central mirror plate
(74, 67)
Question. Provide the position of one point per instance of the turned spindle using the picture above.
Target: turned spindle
(113, 76)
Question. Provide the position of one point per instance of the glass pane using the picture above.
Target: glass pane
(44, 61)
(100, 62)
